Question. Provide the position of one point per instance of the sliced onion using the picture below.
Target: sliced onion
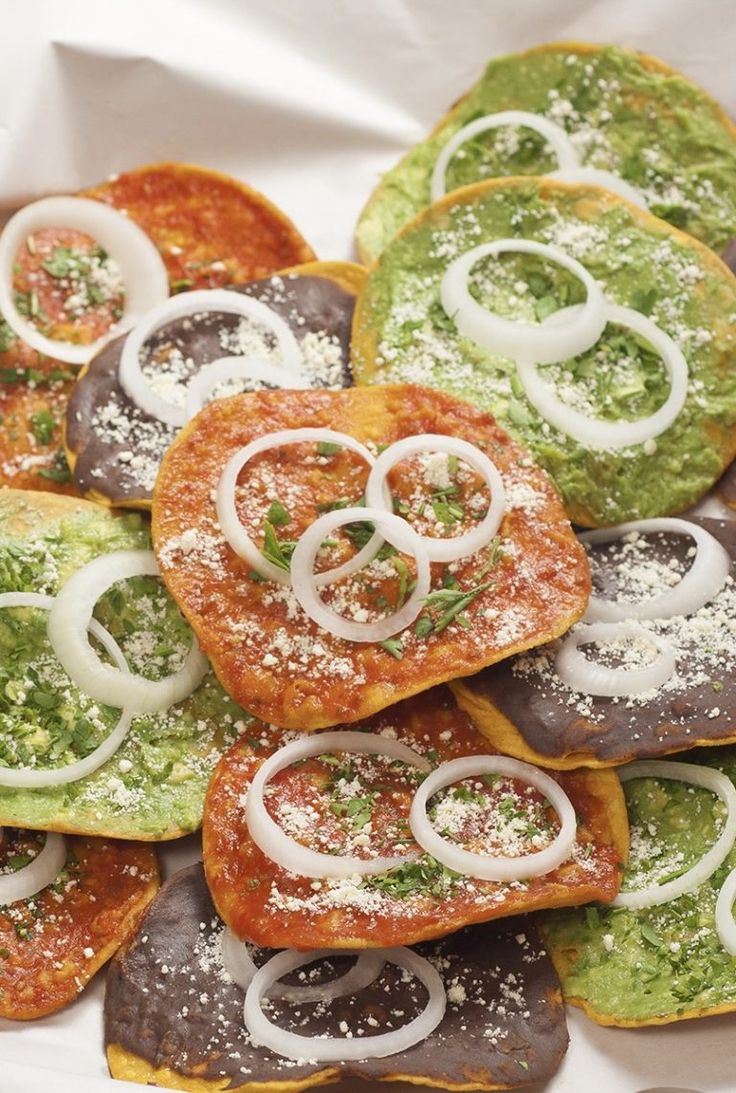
(487, 866)
(287, 852)
(576, 329)
(594, 432)
(141, 266)
(725, 924)
(694, 775)
(293, 1046)
(239, 368)
(596, 177)
(72, 772)
(38, 874)
(581, 674)
(305, 584)
(69, 621)
(236, 535)
(442, 550)
(239, 965)
(182, 306)
(703, 581)
(555, 136)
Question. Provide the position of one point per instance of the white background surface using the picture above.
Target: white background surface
(309, 101)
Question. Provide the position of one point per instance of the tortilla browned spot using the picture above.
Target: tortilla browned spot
(525, 714)
(173, 1017)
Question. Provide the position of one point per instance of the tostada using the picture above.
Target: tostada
(66, 905)
(588, 112)
(343, 840)
(598, 335)
(202, 229)
(113, 732)
(490, 1005)
(659, 675)
(335, 551)
(664, 949)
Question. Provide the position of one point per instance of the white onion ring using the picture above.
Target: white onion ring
(38, 874)
(181, 306)
(69, 621)
(236, 535)
(580, 674)
(575, 331)
(305, 584)
(142, 268)
(239, 965)
(287, 852)
(555, 135)
(439, 549)
(725, 924)
(72, 772)
(596, 177)
(594, 432)
(703, 581)
(239, 368)
(710, 779)
(293, 1046)
(485, 866)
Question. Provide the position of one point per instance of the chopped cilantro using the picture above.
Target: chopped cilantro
(393, 646)
(277, 515)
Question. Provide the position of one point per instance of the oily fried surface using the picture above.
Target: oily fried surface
(53, 943)
(212, 230)
(523, 708)
(272, 659)
(270, 906)
(504, 1025)
(114, 447)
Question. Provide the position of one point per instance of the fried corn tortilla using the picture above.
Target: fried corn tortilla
(54, 942)
(524, 709)
(153, 787)
(625, 112)
(174, 1018)
(403, 333)
(268, 655)
(211, 230)
(659, 964)
(726, 487)
(355, 805)
(114, 448)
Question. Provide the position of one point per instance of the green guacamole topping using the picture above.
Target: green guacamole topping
(656, 130)
(404, 335)
(154, 786)
(660, 961)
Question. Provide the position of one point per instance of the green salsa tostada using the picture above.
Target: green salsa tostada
(661, 963)
(153, 787)
(624, 112)
(402, 333)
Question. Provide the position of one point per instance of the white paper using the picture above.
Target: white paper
(308, 101)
